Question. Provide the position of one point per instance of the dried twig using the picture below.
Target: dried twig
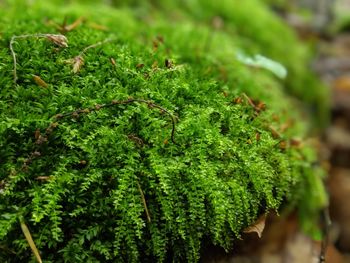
(30, 240)
(58, 40)
(144, 202)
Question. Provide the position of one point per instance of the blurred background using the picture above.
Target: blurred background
(325, 24)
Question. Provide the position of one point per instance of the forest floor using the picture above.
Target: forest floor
(282, 240)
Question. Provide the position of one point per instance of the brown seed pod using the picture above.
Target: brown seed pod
(283, 145)
(257, 136)
(260, 107)
(37, 134)
(237, 100)
(39, 81)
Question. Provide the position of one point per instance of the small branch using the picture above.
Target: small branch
(59, 40)
(144, 202)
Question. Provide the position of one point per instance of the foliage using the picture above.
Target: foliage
(91, 161)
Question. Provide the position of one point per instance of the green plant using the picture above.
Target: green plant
(159, 141)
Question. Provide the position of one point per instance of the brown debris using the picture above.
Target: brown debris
(39, 81)
(257, 227)
(59, 40)
(168, 63)
(78, 63)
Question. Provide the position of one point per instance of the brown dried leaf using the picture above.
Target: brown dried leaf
(59, 40)
(257, 227)
(78, 62)
(39, 81)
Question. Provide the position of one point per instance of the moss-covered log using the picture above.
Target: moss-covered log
(145, 136)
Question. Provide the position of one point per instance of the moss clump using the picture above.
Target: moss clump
(161, 139)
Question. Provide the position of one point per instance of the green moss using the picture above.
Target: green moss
(82, 198)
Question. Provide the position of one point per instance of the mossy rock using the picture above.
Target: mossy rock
(161, 142)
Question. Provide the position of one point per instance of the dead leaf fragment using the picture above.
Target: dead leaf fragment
(30, 240)
(257, 227)
(113, 61)
(78, 62)
(59, 40)
(39, 81)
